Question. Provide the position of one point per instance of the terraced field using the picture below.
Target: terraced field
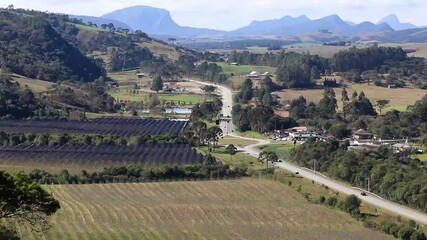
(239, 209)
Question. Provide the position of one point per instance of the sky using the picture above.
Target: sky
(232, 14)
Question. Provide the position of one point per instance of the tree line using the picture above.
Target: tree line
(53, 139)
(395, 177)
(132, 174)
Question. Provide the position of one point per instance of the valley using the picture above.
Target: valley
(135, 125)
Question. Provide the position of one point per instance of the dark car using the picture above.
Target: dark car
(363, 194)
(296, 173)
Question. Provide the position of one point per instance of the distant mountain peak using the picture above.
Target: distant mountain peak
(395, 23)
(157, 21)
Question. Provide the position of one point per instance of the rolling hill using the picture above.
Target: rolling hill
(99, 21)
(30, 47)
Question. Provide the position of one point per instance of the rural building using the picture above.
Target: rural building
(255, 74)
(112, 84)
(362, 134)
(303, 136)
(298, 129)
(366, 145)
(140, 75)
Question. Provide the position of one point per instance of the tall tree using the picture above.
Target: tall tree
(157, 84)
(381, 104)
(327, 106)
(344, 100)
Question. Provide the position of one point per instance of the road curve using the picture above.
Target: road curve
(401, 210)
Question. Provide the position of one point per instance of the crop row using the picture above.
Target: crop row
(147, 155)
(109, 126)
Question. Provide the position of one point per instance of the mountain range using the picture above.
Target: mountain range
(159, 23)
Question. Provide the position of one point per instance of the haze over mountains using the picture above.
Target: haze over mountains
(395, 23)
(158, 22)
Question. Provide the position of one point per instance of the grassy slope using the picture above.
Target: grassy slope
(239, 209)
(282, 150)
(35, 85)
(238, 160)
(159, 49)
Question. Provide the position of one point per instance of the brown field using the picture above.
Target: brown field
(399, 98)
(235, 209)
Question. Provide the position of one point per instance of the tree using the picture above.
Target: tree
(340, 131)
(199, 128)
(232, 150)
(266, 156)
(351, 204)
(157, 84)
(381, 104)
(104, 26)
(208, 89)
(344, 100)
(23, 201)
(328, 104)
(212, 135)
(298, 107)
(153, 100)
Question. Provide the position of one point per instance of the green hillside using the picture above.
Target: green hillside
(30, 47)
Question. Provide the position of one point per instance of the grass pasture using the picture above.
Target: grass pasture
(129, 76)
(399, 98)
(159, 49)
(282, 150)
(189, 99)
(238, 160)
(35, 85)
(237, 209)
(236, 141)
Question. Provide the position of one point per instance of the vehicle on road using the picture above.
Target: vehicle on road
(363, 194)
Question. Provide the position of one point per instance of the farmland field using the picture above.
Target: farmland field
(124, 127)
(399, 98)
(91, 158)
(189, 99)
(237, 209)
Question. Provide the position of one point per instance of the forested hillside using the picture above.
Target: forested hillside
(29, 46)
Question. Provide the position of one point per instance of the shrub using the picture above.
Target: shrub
(332, 201)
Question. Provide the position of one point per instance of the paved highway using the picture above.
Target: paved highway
(227, 98)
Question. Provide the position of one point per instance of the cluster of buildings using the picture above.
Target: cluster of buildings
(360, 140)
(364, 140)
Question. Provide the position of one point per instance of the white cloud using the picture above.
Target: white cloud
(226, 14)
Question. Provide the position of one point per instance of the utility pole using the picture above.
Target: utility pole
(314, 165)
